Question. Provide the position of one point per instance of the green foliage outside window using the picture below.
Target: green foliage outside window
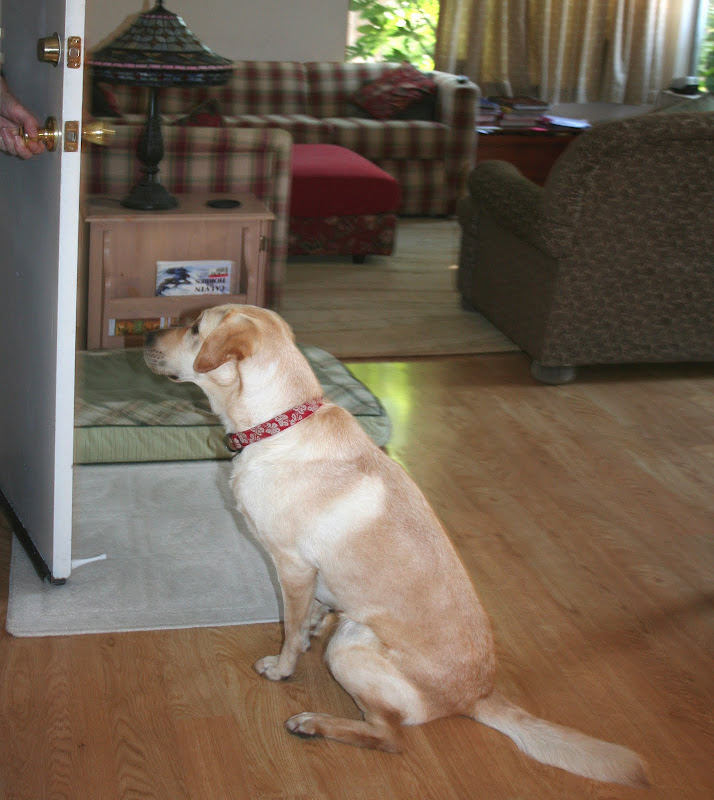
(396, 30)
(706, 62)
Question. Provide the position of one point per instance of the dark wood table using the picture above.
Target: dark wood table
(533, 152)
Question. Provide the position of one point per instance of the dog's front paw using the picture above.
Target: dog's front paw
(268, 667)
(304, 725)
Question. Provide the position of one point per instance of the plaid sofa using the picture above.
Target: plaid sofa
(198, 159)
(431, 158)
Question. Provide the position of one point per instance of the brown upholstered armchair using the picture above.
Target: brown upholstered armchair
(612, 261)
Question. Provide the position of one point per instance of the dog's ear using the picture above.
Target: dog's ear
(227, 342)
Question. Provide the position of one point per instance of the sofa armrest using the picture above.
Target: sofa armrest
(456, 99)
(456, 107)
(510, 198)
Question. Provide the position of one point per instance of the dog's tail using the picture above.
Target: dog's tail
(559, 746)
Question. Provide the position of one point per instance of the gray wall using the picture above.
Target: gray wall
(288, 30)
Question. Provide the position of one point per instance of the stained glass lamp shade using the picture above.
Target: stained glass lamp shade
(157, 50)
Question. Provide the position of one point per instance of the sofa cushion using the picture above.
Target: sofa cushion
(265, 87)
(391, 139)
(331, 85)
(303, 128)
(394, 92)
(332, 181)
(255, 87)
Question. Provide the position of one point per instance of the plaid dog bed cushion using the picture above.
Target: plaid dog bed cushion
(124, 413)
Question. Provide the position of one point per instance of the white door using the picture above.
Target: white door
(39, 223)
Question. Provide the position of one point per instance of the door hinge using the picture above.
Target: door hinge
(263, 242)
(74, 52)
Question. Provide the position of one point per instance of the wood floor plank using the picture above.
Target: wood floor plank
(585, 516)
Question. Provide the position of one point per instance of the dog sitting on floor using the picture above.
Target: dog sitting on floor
(350, 532)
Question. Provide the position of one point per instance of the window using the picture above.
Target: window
(706, 52)
(393, 30)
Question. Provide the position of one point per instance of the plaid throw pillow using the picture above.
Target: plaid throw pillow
(395, 91)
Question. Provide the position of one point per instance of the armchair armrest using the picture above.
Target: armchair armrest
(500, 189)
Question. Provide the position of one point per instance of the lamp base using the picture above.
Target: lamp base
(149, 197)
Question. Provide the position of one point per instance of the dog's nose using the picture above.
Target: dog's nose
(150, 339)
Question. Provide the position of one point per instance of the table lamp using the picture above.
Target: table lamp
(157, 50)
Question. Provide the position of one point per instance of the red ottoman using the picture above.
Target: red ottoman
(341, 203)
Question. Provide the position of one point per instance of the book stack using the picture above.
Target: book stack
(520, 112)
(489, 113)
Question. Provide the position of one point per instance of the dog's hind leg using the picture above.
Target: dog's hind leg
(376, 731)
(360, 664)
(319, 618)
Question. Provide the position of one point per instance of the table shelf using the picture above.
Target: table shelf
(125, 246)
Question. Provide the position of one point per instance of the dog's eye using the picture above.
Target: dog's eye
(194, 328)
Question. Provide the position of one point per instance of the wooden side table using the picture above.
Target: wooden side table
(533, 153)
(125, 245)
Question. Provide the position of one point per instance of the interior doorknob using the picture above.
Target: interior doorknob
(49, 49)
(95, 131)
(49, 134)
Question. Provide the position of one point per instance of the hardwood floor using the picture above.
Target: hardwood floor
(584, 514)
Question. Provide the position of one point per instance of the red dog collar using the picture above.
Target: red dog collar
(235, 442)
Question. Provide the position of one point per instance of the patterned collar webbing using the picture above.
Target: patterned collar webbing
(235, 442)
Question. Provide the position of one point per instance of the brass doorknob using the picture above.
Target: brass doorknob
(49, 49)
(49, 134)
(95, 131)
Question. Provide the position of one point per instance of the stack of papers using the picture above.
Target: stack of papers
(565, 122)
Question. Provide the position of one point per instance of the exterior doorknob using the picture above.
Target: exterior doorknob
(49, 49)
(96, 132)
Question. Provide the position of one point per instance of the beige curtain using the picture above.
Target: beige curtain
(565, 51)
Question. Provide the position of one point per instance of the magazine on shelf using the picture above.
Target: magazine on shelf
(138, 327)
(176, 278)
(521, 122)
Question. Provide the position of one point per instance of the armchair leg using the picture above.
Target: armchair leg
(552, 375)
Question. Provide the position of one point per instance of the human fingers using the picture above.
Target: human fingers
(28, 149)
(33, 148)
(13, 144)
(30, 145)
(7, 141)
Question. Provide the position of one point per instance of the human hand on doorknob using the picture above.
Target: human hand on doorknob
(14, 115)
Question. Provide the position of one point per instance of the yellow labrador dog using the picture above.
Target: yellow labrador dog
(350, 532)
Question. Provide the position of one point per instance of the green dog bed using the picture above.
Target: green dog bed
(125, 413)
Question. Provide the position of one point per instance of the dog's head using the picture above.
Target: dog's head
(211, 348)
(233, 350)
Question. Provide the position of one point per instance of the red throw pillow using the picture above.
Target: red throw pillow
(396, 90)
(205, 115)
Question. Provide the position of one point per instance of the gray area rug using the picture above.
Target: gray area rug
(177, 556)
(393, 306)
